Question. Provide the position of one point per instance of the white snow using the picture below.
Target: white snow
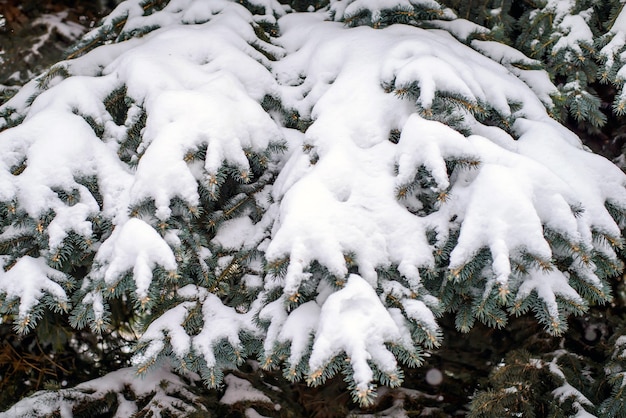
(166, 391)
(538, 80)
(345, 9)
(548, 285)
(566, 391)
(234, 233)
(169, 324)
(353, 320)
(423, 315)
(251, 413)
(620, 348)
(345, 189)
(460, 28)
(298, 328)
(221, 322)
(240, 390)
(29, 280)
(576, 32)
(134, 246)
(55, 159)
(58, 22)
(503, 205)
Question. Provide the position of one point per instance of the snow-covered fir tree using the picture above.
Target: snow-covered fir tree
(210, 199)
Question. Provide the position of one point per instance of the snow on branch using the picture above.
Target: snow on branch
(162, 392)
(290, 188)
(31, 281)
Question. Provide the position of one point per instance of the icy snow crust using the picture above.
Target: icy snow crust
(346, 211)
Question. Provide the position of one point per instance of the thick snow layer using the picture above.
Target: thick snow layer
(549, 285)
(576, 32)
(538, 80)
(168, 324)
(234, 233)
(194, 82)
(29, 280)
(460, 28)
(222, 323)
(298, 328)
(182, 121)
(331, 207)
(54, 160)
(502, 207)
(369, 191)
(133, 246)
(355, 322)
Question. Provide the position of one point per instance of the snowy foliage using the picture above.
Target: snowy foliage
(161, 392)
(613, 67)
(280, 186)
(561, 33)
(615, 405)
